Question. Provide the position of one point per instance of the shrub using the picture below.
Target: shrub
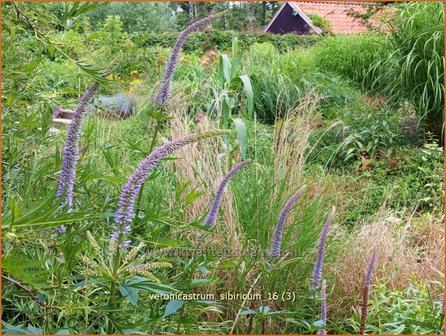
(408, 65)
(222, 40)
(321, 22)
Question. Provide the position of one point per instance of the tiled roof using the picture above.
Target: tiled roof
(336, 14)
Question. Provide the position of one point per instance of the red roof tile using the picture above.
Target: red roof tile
(337, 15)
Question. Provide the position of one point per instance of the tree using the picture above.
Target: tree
(151, 17)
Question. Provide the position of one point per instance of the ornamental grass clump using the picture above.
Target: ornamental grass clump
(317, 271)
(126, 204)
(365, 293)
(280, 224)
(71, 150)
(166, 82)
(211, 217)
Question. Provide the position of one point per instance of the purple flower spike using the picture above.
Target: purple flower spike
(126, 204)
(317, 271)
(57, 111)
(280, 224)
(61, 229)
(166, 82)
(211, 218)
(323, 308)
(370, 270)
(71, 149)
(125, 244)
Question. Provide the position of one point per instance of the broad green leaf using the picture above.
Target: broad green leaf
(242, 136)
(225, 68)
(130, 294)
(249, 93)
(25, 269)
(248, 312)
(172, 307)
(318, 323)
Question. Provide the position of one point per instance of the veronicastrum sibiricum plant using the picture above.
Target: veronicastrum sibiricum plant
(126, 204)
(211, 217)
(126, 211)
(116, 265)
(71, 150)
(280, 224)
(317, 271)
(166, 82)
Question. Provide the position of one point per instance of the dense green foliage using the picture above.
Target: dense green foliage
(302, 109)
(222, 40)
(155, 17)
(407, 65)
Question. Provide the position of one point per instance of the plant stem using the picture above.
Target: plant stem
(365, 302)
(155, 135)
(113, 287)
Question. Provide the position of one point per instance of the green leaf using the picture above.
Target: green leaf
(147, 285)
(25, 269)
(318, 323)
(201, 282)
(249, 93)
(34, 330)
(203, 269)
(130, 294)
(248, 312)
(11, 329)
(242, 136)
(133, 332)
(172, 307)
(225, 68)
(397, 330)
(264, 309)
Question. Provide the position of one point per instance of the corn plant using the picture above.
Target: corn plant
(226, 89)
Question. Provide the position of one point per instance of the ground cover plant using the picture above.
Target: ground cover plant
(258, 185)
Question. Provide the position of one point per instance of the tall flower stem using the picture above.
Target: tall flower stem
(317, 271)
(366, 290)
(323, 308)
(71, 149)
(211, 218)
(155, 135)
(113, 287)
(280, 224)
(166, 82)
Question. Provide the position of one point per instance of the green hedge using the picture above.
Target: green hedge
(222, 40)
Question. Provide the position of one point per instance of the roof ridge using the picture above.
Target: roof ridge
(340, 2)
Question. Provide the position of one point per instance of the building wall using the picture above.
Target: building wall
(286, 22)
